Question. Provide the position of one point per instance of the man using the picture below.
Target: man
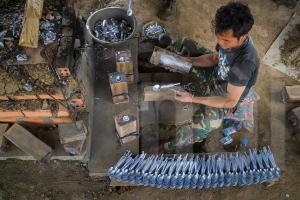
(237, 67)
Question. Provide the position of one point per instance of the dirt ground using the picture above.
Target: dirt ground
(290, 53)
(69, 180)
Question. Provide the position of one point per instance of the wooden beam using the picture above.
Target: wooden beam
(291, 93)
(31, 25)
(37, 120)
(27, 142)
(165, 94)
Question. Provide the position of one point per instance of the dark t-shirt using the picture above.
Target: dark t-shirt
(238, 66)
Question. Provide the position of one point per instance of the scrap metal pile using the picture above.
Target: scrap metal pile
(49, 26)
(197, 170)
(112, 30)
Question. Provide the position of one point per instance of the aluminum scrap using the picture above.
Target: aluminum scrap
(2, 35)
(197, 171)
(48, 37)
(154, 30)
(27, 87)
(175, 63)
(47, 27)
(112, 30)
(22, 57)
(16, 25)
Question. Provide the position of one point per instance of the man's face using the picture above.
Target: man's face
(226, 40)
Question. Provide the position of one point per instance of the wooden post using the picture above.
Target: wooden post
(119, 87)
(291, 93)
(31, 26)
(124, 64)
(126, 127)
(164, 94)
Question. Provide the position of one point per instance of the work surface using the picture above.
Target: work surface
(105, 147)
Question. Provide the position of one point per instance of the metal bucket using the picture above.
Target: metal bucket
(107, 13)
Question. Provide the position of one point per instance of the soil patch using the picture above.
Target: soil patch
(290, 50)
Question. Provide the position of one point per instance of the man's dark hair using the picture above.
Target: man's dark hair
(235, 16)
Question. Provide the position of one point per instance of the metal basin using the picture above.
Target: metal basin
(107, 13)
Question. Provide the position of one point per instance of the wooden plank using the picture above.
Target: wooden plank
(118, 83)
(37, 120)
(56, 96)
(293, 93)
(30, 32)
(165, 94)
(125, 124)
(62, 112)
(27, 142)
(127, 68)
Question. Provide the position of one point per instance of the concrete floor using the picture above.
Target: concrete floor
(65, 180)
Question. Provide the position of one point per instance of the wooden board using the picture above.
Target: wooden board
(293, 92)
(121, 99)
(31, 26)
(272, 57)
(127, 68)
(27, 142)
(119, 88)
(166, 94)
(125, 127)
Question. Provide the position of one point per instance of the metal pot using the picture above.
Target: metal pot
(107, 13)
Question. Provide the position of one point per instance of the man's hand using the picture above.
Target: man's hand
(184, 97)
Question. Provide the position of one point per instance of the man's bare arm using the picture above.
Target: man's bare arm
(233, 95)
(207, 60)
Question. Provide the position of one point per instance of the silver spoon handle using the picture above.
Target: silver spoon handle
(129, 10)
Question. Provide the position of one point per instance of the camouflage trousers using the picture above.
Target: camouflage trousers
(207, 119)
